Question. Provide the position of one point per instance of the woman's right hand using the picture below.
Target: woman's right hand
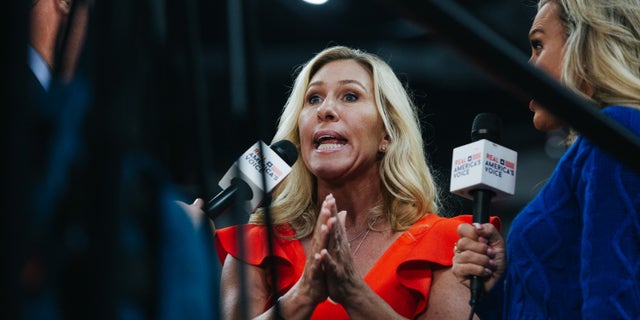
(480, 251)
(194, 211)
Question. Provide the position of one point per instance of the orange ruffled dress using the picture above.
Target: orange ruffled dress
(402, 275)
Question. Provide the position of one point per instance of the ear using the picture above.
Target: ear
(384, 143)
(64, 6)
(587, 88)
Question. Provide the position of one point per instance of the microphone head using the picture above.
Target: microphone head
(487, 126)
(286, 150)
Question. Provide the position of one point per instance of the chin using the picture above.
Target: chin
(544, 121)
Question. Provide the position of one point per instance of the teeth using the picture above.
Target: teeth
(325, 138)
(329, 146)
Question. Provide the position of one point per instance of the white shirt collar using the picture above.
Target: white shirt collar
(39, 67)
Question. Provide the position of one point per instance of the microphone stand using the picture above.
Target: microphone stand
(243, 50)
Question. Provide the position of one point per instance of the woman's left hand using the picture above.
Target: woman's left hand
(343, 281)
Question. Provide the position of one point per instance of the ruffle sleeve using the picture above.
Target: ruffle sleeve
(252, 239)
(407, 265)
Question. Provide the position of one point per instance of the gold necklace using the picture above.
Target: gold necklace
(363, 238)
(360, 234)
(361, 241)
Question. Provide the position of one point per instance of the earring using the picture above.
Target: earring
(383, 147)
(65, 5)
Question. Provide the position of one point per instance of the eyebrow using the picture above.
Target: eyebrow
(536, 30)
(342, 82)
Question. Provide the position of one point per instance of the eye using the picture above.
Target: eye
(351, 97)
(313, 99)
(536, 45)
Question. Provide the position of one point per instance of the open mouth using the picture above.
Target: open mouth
(328, 142)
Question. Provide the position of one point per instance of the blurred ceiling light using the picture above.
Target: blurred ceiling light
(316, 2)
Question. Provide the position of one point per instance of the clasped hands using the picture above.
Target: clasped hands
(329, 270)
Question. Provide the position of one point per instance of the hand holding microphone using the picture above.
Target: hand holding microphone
(480, 252)
(482, 171)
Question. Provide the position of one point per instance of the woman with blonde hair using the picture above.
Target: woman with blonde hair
(573, 251)
(358, 233)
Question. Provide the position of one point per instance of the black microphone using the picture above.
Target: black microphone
(485, 126)
(483, 171)
(243, 181)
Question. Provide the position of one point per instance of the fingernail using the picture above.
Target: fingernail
(477, 225)
(490, 252)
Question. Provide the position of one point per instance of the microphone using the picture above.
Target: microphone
(483, 171)
(244, 179)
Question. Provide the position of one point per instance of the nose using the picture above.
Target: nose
(327, 111)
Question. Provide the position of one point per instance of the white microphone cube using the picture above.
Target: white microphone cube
(249, 166)
(483, 165)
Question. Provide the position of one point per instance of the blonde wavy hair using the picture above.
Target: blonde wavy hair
(602, 49)
(408, 185)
